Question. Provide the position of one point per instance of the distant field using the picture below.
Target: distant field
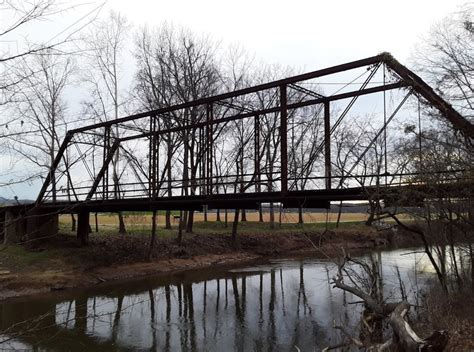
(144, 218)
(141, 222)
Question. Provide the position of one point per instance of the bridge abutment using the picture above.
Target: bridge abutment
(19, 225)
(14, 227)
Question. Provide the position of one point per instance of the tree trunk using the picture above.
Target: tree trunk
(244, 215)
(339, 213)
(272, 216)
(471, 256)
(153, 235)
(218, 215)
(372, 210)
(280, 216)
(300, 215)
(180, 227)
(122, 229)
(83, 228)
(73, 223)
(189, 227)
(168, 220)
(234, 228)
(405, 339)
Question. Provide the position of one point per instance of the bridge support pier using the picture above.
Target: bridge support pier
(83, 227)
(13, 227)
(35, 224)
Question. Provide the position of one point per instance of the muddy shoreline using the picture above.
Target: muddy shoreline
(113, 259)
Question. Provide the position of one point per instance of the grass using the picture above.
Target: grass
(21, 257)
(140, 223)
(58, 251)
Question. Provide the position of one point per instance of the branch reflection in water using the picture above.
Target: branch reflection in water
(272, 306)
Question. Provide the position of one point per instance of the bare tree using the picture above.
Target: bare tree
(105, 45)
(41, 110)
(19, 17)
(446, 59)
(175, 66)
(442, 214)
(438, 155)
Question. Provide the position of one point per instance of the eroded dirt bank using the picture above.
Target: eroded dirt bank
(60, 264)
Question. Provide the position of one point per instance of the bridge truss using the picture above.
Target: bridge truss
(274, 142)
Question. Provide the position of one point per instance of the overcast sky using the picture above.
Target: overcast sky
(304, 34)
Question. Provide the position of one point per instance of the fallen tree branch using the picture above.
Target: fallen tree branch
(406, 338)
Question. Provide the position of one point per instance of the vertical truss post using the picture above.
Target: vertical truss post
(385, 124)
(157, 164)
(209, 147)
(106, 148)
(327, 144)
(203, 163)
(284, 138)
(150, 159)
(257, 152)
(156, 157)
(153, 162)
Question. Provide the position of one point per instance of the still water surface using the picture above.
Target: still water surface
(271, 306)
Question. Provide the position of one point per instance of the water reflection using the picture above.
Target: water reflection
(268, 307)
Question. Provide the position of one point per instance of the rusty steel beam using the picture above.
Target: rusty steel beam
(327, 144)
(103, 169)
(306, 91)
(256, 161)
(407, 79)
(283, 139)
(421, 87)
(292, 106)
(275, 84)
(54, 166)
(230, 201)
(408, 76)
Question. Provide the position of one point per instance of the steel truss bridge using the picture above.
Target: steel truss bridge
(273, 142)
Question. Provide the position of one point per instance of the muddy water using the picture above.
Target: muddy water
(268, 306)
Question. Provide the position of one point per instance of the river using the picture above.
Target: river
(273, 305)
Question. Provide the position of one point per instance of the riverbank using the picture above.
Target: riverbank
(60, 264)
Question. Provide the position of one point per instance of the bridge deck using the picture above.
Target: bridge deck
(407, 195)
